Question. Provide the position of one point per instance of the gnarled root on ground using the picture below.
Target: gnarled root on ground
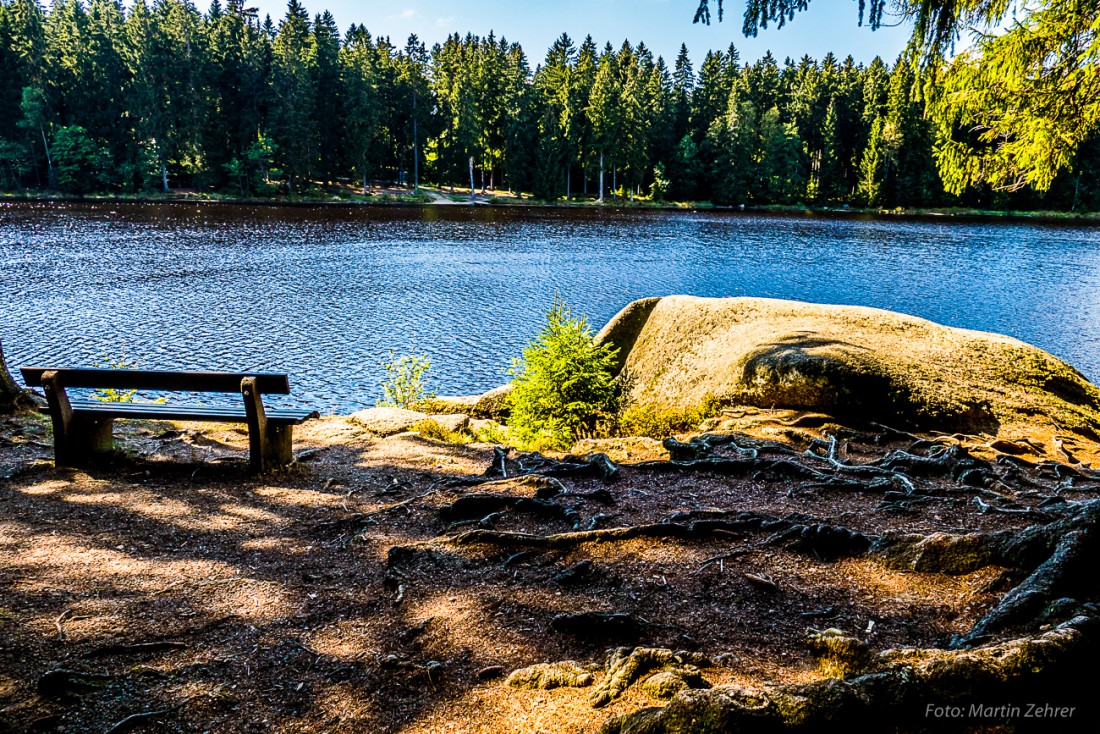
(1060, 557)
(900, 692)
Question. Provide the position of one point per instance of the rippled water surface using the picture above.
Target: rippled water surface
(325, 293)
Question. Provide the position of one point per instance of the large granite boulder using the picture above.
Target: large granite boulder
(850, 362)
(492, 404)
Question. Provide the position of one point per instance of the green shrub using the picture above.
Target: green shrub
(564, 385)
(653, 422)
(492, 433)
(431, 428)
(405, 385)
(110, 395)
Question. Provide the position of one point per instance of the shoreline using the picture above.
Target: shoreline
(835, 212)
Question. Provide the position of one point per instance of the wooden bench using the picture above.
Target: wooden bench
(84, 428)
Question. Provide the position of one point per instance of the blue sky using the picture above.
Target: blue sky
(829, 25)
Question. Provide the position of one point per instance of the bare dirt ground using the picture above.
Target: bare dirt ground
(343, 595)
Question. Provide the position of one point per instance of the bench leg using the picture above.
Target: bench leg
(93, 436)
(86, 440)
(280, 446)
(270, 447)
(77, 439)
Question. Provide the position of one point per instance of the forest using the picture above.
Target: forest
(98, 98)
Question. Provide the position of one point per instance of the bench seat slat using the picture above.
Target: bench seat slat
(229, 382)
(200, 413)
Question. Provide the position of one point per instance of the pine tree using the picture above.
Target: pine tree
(233, 139)
(780, 174)
(328, 113)
(362, 104)
(683, 88)
(604, 115)
(735, 141)
(294, 95)
(558, 124)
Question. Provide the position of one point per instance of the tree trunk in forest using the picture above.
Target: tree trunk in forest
(601, 178)
(9, 391)
(37, 174)
(568, 184)
(164, 176)
(471, 179)
(51, 176)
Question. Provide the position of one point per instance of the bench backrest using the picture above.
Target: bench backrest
(266, 383)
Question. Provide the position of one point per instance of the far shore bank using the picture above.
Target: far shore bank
(458, 199)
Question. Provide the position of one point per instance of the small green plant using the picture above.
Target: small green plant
(492, 432)
(564, 386)
(110, 395)
(405, 384)
(431, 428)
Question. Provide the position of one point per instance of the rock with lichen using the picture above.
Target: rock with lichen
(626, 666)
(562, 674)
(849, 362)
(897, 692)
(837, 653)
(492, 404)
(387, 421)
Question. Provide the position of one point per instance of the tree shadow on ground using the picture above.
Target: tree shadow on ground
(288, 608)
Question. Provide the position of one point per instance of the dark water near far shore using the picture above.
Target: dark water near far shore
(324, 293)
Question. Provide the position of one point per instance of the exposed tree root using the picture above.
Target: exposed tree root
(896, 694)
(478, 506)
(626, 667)
(593, 465)
(133, 721)
(563, 674)
(63, 682)
(1060, 556)
(796, 532)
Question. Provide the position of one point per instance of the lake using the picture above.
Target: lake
(325, 293)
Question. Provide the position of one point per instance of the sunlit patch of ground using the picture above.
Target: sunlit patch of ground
(331, 598)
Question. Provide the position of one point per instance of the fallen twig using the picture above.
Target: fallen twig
(737, 553)
(60, 619)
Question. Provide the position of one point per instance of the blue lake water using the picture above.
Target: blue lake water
(325, 293)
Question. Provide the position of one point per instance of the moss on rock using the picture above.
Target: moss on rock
(894, 696)
(664, 684)
(850, 362)
(839, 654)
(562, 674)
